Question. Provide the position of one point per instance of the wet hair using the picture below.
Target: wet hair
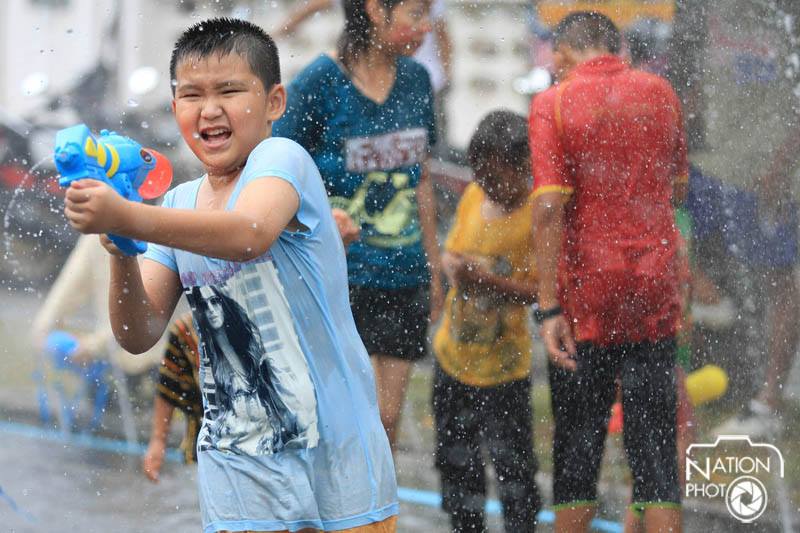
(500, 138)
(224, 36)
(587, 29)
(356, 37)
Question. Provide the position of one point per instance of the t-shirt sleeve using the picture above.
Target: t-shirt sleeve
(303, 120)
(158, 252)
(548, 160)
(287, 160)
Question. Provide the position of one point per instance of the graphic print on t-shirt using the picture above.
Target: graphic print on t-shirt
(259, 398)
(477, 316)
(385, 201)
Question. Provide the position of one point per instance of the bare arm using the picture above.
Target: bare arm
(426, 201)
(445, 46)
(264, 209)
(299, 15)
(471, 275)
(141, 299)
(548, 223)
(154, 457)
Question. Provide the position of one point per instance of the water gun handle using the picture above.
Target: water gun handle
(128, 246)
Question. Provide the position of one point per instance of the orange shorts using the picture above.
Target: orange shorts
(385, 526)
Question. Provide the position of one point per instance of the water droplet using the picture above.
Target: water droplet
(125, 327)
(195, 135)
(145, 125)
(132, 102)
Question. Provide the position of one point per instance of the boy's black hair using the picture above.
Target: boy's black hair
(501, 137)
(356, 37)
(587, 29)
(225, 36)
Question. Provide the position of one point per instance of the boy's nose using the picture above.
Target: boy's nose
(211, 109)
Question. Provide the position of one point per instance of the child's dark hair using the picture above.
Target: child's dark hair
(357, 34)
(587, 29)
(501, 137)
(225, 36)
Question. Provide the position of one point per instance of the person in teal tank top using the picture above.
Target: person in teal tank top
(365, 114)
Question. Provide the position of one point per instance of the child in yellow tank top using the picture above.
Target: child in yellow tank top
(481, 391)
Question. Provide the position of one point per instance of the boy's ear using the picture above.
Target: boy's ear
(173, 106)
(276, 102)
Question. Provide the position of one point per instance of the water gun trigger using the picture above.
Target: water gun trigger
(159, 178)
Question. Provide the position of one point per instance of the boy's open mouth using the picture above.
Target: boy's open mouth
(215, 135)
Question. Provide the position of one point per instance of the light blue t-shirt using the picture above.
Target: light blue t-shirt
(291, 434)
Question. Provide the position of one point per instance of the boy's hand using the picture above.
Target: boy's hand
(559, 343)
(470, 271)
(451, 263)
(110, 247)
(348, 229)
(92, 206)
(153, 459)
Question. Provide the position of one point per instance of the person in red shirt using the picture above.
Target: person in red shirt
(609, 160)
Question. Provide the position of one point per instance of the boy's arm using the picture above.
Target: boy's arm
(141, 299)
(519, 291)
(265, 207)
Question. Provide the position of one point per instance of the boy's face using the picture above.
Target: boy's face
(223, 110)
(504, 184)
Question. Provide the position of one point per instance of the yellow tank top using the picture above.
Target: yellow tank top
(485, 340)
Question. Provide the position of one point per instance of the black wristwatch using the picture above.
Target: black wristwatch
(540, 315)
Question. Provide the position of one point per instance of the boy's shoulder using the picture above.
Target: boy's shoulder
(284, 158)
(278, 150)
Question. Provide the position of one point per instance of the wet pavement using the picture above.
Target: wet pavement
(93, 483)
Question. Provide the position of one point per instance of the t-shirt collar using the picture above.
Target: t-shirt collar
(605, 64)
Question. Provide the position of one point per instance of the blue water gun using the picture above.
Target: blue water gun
(134, 172)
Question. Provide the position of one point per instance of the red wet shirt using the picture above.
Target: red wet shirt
(612, 138)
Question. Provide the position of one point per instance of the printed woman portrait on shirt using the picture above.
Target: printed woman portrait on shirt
(248, 414)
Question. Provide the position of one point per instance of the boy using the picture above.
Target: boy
(291, 436)
(609, 159)
(483, 348)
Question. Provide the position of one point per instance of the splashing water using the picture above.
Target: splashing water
(29, 229)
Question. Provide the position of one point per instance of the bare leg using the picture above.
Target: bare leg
(391, 378)
(574, 519)
(633, 522)
(661, 520)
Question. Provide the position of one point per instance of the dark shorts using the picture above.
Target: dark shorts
(392, 322)
(499, 419)
(581, 404)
